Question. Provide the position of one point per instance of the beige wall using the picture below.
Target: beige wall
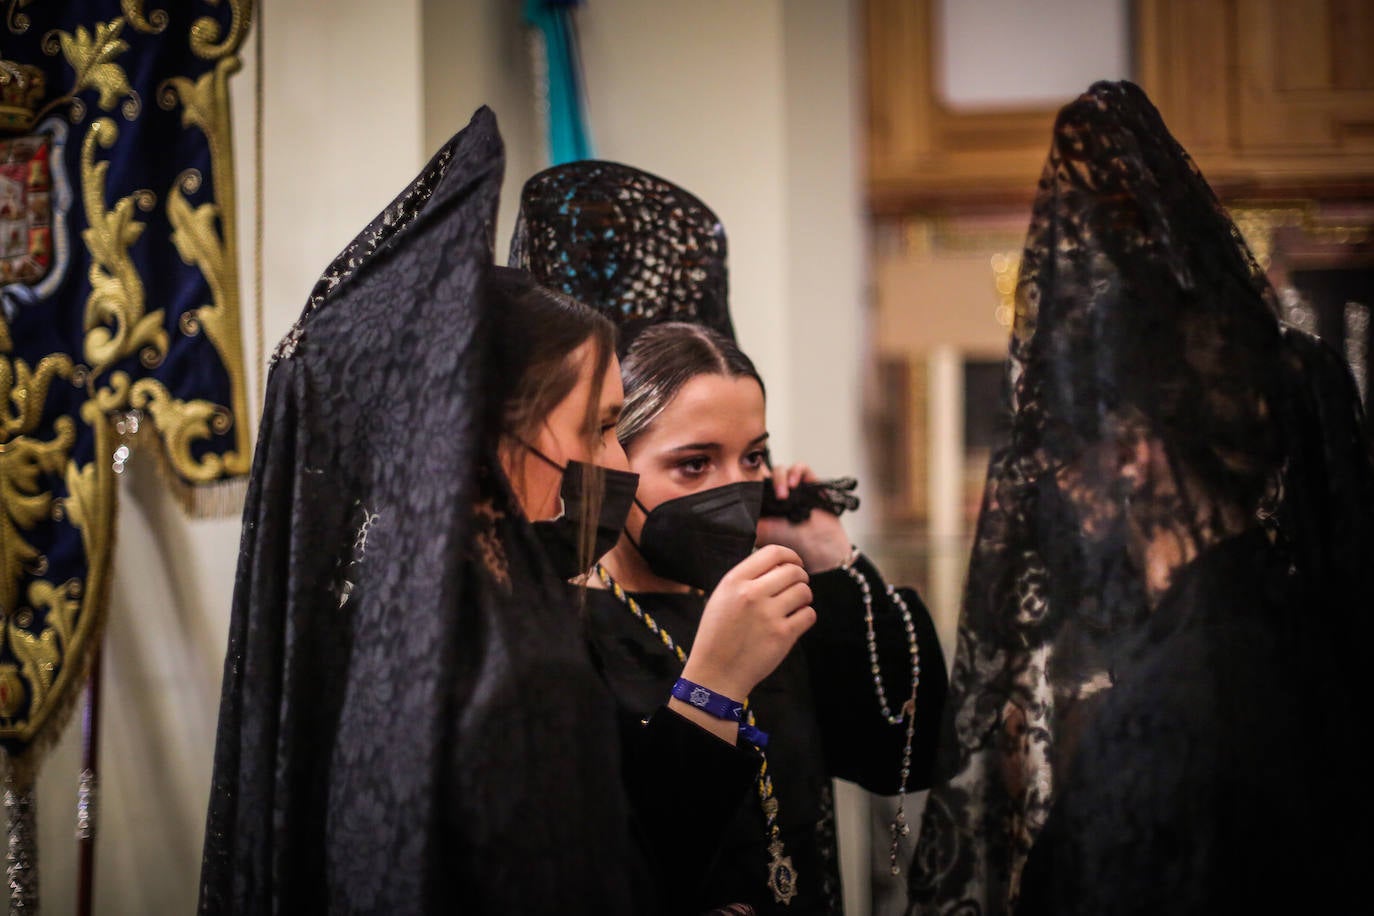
(752, 106)
(476, 53)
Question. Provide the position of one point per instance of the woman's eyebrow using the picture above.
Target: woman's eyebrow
(696, 447)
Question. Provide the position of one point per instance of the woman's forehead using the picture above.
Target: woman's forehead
(729, 409)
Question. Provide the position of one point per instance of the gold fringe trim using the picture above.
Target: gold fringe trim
(221, 498)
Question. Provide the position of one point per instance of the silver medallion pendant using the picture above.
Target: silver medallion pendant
(782, 877)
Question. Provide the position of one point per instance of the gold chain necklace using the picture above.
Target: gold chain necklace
(782, 877)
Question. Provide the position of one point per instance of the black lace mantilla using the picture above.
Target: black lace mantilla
(409, 720)
(630, 244)
(1158, 412)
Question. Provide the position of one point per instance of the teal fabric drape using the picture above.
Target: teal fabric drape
(569, 138)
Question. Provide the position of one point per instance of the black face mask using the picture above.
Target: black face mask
(697, 539)
(561, 536)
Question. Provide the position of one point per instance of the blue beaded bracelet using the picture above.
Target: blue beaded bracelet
(720, 706)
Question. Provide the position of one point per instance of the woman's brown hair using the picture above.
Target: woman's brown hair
(534, 333)
(663, 358)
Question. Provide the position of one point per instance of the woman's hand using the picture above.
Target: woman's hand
(752, 619)
(820, 540)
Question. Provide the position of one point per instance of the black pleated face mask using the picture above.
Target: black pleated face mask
(697, 539)
(562, 536)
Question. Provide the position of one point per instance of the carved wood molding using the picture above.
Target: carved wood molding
(1274, 99)
(920, 151)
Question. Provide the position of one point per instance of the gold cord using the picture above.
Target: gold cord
(259, 333)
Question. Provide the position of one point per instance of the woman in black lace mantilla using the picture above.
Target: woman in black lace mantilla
(1153, 699)
(410, 722)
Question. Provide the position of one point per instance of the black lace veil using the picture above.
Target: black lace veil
(408, 721)
(1159, 413)
(634, 246)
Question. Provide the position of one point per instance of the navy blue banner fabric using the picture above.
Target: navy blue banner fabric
(120, 326)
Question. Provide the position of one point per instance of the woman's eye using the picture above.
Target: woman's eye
(756, 459)
(694, 465)
(607, 428)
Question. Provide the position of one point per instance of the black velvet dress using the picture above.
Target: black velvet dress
(697, 814)
(1195, 788)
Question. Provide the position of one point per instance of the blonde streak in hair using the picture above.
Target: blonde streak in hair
(642, 410)
(635, 421)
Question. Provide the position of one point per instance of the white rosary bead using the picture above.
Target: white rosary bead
(899, 826)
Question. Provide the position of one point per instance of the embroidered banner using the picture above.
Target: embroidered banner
(120, 324)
